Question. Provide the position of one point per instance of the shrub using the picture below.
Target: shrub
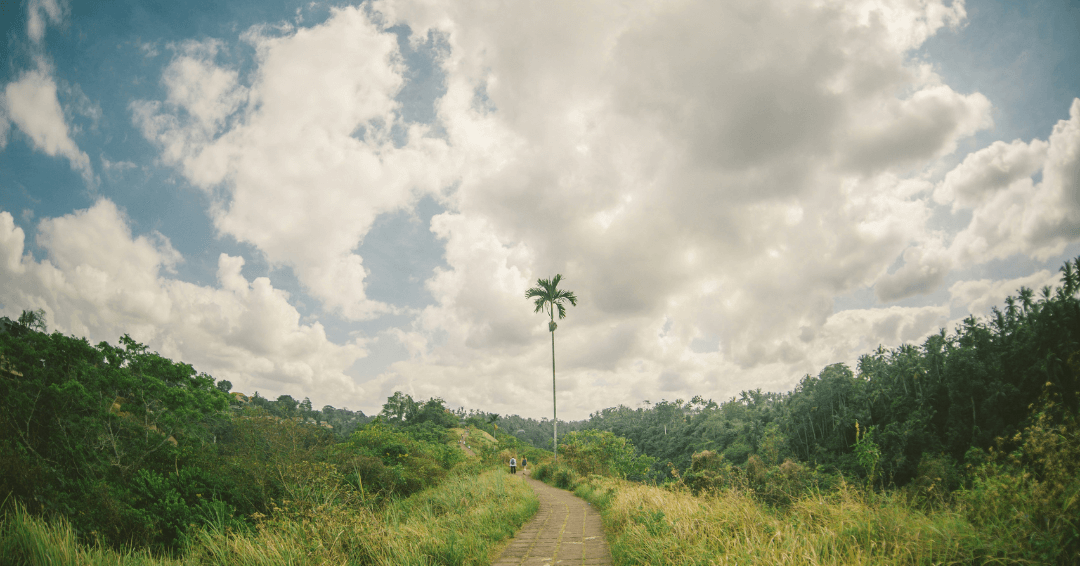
(1031, 496)
(784, 484)
(560, 476)
(711, 472)
(601, 452)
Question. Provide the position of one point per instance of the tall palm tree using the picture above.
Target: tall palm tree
(547, 297)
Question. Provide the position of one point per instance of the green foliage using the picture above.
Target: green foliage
(33, 320)
(389, 461)
(81, 423)
(558, 475)
(401, 409)
(1030, 496)
(867, 453)
(547, 295)
(460, 522)
(601, 452)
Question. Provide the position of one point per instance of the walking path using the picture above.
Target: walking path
(464, 444)
(565, 530)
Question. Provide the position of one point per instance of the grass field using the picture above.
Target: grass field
(658, 526)
(462, 521)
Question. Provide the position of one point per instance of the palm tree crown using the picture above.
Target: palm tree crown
(548, 298)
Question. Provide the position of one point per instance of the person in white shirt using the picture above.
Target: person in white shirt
(513, 466)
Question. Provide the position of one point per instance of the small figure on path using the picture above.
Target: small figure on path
(524, 463)
(513, 465)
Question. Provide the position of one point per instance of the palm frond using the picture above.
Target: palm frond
(547, 294)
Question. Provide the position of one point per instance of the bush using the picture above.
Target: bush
(557, 475)
(388, 462)
(601, 452)
(1031, 496)
(784, 484)
(711, 472)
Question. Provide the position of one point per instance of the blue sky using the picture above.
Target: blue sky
(341, 200)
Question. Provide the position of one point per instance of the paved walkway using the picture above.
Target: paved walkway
(565, 530)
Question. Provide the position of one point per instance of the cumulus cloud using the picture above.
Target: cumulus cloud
(1011, 212)
(990, 170)
(707, 176)
(923, 271)
(304, 158)
(851, 333)
(978, 296)
(923, 126)
(31, 104)
(101, 281)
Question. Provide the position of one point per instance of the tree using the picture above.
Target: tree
(286, 406)
(399, 408)
(547, 296)
(33, 320)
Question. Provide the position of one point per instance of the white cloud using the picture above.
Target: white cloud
(918, 128)
(989, 170)
(852, 333)
(978, 296)
(1012, 214)
(116, 166)
(304, 156)
(923, 271)
(99, 281)
(707, 175)
(41, 12)
(703, 173)
(31, 104)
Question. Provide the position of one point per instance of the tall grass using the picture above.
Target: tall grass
(29, 540)
(461, 522)
(655, 525)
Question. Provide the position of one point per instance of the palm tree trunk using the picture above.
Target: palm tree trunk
(554, 406)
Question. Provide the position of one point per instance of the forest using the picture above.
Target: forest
(129, 452)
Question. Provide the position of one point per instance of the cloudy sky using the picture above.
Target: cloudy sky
(339, 201)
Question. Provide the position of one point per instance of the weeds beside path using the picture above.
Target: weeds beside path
(566, 530)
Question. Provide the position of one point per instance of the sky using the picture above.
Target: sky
(339, 201)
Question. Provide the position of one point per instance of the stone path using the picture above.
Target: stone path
(565, 530)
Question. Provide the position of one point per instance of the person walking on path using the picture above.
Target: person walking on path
(524, 463)
(513, 465)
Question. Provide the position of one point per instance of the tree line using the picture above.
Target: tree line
(949, 401)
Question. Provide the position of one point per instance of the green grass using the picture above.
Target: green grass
(462, 521)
